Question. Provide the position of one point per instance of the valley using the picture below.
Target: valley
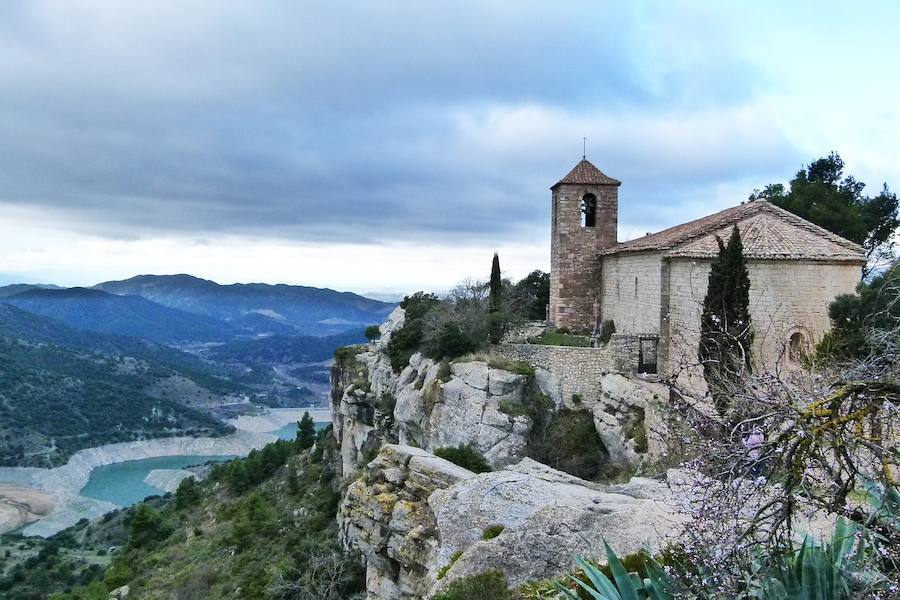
(107, 396)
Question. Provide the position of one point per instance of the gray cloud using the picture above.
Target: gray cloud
(367, 121)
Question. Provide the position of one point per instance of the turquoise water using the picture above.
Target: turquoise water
(289, 431)
(123, 484)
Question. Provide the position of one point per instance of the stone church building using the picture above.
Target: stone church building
(652, 288)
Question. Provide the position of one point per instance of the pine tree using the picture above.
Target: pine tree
(306, 432)
(495, 299)
(726, 333)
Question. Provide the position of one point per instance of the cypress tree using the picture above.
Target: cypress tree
(726, 333)
(495, 300)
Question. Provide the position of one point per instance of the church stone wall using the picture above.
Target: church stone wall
(576, 370)
(631, 292)
(785, 297)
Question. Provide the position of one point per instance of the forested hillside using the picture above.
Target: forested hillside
(65, 389)
(94, 310)
(259, 527)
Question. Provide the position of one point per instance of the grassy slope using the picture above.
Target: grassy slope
(240, 537)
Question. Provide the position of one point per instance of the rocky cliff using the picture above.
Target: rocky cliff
(420, 521)
(428, 405)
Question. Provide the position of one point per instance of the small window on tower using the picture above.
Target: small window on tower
(588, 210)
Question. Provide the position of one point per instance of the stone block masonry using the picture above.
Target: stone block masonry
(574, 370)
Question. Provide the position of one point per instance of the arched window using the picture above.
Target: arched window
(588, 210)
(796, 346)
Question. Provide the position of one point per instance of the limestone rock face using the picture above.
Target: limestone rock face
(628, 419)
(385, 516)
(410, 513)
(548, 518)
(429, 404)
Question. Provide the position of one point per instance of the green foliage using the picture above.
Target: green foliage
(617, 583)
(854, 317)
(372, 332)
(345, 354)
(817, 572)
(568, 441)
(258, 466)
(533, 295)
(442, 572)
(466, 456)
(495, 302)
(306, 432)
(607, 329)
(148, 526)
(262, 542)
(56, 400)
(386, 403)
(726, 333)
(418, 305)
(404, 343)
(821, 194)
(451, 342)
(555, 338)
(188, 493)
(492, 532)
(490, 585)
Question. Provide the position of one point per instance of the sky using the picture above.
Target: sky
(393, 146)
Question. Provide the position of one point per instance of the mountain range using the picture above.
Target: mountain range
(259, 307)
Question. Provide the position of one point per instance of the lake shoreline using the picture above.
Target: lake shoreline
(62, 485)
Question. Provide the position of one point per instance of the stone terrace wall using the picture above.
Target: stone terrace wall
(576, 370)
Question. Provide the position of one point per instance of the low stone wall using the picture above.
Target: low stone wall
(575, 370)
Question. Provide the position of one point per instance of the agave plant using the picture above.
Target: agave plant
(624, 585)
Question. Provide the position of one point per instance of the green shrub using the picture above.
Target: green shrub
(576, 398)
(442, 572)
(404, 343)
(513, 409)
(569, 442)
(466, 456)
(386, 403)
(346, 353)
(555, 338)
(147, 526)
(372, 332)
(188, 493)
(492, 532)
(490, 585)
(513, 366)
(451, 341)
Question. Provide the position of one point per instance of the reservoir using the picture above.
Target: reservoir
(122, 483)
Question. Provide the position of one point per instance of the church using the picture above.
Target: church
(651, 289)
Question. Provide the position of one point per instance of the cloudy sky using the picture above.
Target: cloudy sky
(395, 145)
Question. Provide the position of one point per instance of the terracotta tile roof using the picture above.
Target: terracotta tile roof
(767, 232)
(587, 174)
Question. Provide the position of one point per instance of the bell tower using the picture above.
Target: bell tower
(584, 222)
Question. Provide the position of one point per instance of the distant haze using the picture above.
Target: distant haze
(393, 146)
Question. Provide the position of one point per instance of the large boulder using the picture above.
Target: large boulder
(419, 521)
(548, 518)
